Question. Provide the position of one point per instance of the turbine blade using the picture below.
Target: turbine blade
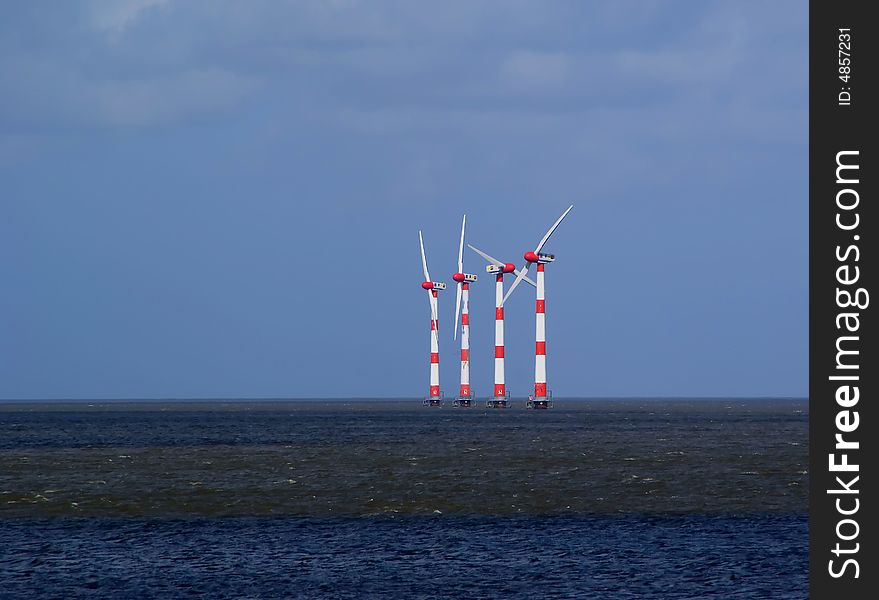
(551, 229)
(461, 247)
(519, 278)
(423, 258)
(433, 311)
(457, 309)
(527, 280)
(491, 260)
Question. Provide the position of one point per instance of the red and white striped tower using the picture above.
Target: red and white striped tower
(501, 397)
(465, 342)
(434, 394)
(541, 398)
(434, 397)
(465, 394)
(540, 355)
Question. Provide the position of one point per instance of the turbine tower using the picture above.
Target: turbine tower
(541, 398)
(465, 394)
(501, 398)
(434, 397)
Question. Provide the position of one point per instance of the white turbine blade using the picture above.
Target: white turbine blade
(527, 280)
(433, 311)
(549, 233)
(457, 310)
(519, 278)
(461, 247)
(423, 258)
(490, 259)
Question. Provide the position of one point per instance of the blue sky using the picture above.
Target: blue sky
(223, 199)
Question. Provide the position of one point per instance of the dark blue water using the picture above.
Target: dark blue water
(621, 499)
(411, 557)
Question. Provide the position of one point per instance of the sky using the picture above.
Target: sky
(222, 199)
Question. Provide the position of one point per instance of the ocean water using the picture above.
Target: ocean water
(372, 499)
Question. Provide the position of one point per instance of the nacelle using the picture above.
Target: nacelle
(433, 285)
(506, 268)
(540, 257)
(462, 277)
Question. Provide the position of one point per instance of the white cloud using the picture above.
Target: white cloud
(115, 16)
(136, 63)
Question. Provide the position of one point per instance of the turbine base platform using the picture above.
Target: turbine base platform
(497, 403)
(538, 403)
(463, 402)
(432, 401)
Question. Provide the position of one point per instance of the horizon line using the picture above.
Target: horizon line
(362, 398)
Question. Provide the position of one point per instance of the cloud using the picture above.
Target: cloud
(142, 63)
(115, 16)
(47, 98)
(98, 73)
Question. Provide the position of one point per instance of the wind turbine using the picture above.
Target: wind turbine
(465, 395)
(540, 398)
(435, 396)
(501, 398)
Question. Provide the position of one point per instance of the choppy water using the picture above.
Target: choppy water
(598, 499)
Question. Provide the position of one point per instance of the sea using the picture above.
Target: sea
(358, 498)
